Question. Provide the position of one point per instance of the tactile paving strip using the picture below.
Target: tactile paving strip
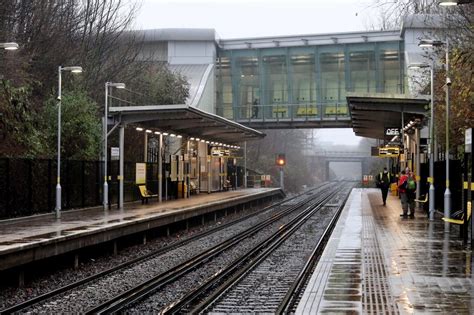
(376, 297)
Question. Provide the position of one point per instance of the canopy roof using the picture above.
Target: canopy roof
(372, 113)
(185, 120)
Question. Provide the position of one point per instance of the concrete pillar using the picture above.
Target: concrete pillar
(145, 147)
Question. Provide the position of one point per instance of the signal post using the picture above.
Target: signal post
(281, 161)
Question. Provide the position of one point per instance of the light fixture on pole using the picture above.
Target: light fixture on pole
(450, 3)
(9, 46)
(431, 191)
(74, 69)
(104, 129)
(447, 192)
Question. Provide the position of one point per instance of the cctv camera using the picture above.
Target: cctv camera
(58, 98)
(448, 81)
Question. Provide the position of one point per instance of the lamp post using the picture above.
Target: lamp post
(431, 191)
(74, 69)
(9, 46)
(104, 129)
(447, 192)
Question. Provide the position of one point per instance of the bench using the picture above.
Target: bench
(336, 110)
(458, 217)
(192, 187)
(145, 193)
(307, 111)
(227, 185)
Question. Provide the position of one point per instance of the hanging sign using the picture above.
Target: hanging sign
(468, 140)
(114, 153)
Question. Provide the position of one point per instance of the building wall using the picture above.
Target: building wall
(191, 52)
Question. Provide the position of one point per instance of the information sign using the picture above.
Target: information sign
(389, 152)
(140, 173)
(114, 153)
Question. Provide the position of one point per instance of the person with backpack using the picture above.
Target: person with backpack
(383, 182)
(402, 184)
(411, 193)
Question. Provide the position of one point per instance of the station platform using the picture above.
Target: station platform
(27, 239)
(377, 262)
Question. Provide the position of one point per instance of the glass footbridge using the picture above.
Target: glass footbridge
(302, 81)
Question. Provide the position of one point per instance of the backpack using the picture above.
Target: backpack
(411, 184)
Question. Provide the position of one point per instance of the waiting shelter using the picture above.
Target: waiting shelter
(202, 144)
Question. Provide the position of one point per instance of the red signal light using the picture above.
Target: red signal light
(280, 160)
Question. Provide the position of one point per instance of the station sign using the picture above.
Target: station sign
(114, 153)
(220, 152)
(389, 152)
(392, 131)
(468, 140)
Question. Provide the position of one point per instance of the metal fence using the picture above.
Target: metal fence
(27, 186)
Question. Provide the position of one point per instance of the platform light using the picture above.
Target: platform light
(139, 129)
(172, 135)
(207, 141)
(430, 43)
(202, 140)
(198, 139)
(148, 131)
(9, 46)
(157, 133)
(179, 136)
(192, 139)
(165, 133)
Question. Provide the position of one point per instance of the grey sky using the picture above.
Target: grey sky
(254, 18)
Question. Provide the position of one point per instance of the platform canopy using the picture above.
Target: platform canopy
(185, 120)
(372, 113)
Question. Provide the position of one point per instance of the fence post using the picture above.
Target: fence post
(83, 184)
(30, 186)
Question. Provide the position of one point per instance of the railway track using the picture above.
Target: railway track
(49, 301)
(270, 278)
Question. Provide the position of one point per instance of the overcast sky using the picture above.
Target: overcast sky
(254, 18)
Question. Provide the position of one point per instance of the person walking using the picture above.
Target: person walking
(402, 184)
(383, 182)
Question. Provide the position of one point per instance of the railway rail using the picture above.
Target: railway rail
(30, 305)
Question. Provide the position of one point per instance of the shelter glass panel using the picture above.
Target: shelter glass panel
(333, 84)
(303, 76)
(390, 71)
(362, 71)
(276, 86)
(248, 86)
(224, 88)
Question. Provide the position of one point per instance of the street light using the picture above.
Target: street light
(74, 69)
(448, 3)
(106, 185)
(447, 192)
(431, 191)
(9, 46)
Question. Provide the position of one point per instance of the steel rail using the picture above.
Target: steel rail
(146, 288)
(246, 262)
(293, 293)
(161, 251)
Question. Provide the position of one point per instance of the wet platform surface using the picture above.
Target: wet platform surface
(35, 232)
(376, 262)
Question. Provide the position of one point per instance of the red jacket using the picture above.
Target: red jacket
(401, 183)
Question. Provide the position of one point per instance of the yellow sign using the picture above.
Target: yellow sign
(389, 152)
(430, 180)
(140, 173)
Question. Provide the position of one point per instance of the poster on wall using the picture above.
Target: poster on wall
(181, 169)
(174, 168)
(140, 173)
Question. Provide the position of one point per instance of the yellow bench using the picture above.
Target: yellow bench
(459, 214)
(307, 111)
(336, 110)
(145, 193)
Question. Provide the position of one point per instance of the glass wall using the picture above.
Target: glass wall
(307, 82)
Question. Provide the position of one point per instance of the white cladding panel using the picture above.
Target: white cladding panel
(191, 52)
